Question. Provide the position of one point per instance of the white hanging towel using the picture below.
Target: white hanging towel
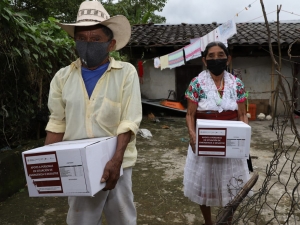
(176, 59)
(164, 62)
(193, 50)
(156, 62)
(206, 39)
(226, 30)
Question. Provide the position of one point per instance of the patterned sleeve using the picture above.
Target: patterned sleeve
(240, 89)
(193, 91)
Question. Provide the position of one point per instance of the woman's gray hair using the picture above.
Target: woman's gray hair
(215, 43)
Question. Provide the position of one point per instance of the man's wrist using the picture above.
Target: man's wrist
(117, 161)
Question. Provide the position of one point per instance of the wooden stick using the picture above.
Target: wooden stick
(230, 208)
(278, 37)
(268, 31)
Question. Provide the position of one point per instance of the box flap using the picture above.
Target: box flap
(221, 123)
(97, 140)
(66, 145)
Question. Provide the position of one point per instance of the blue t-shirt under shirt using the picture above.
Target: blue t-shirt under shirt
(91, 77)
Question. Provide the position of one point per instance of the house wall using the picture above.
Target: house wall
(157, 82)
(255, 73)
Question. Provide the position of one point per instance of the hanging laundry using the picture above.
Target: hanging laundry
(220, 38)
(227, 30)
(156, 62)
(194, 40)
(164, 62)
(176, 59)
(206, 39)
(140, 68)
(193, 50)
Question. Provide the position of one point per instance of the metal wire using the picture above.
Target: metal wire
(277, 200)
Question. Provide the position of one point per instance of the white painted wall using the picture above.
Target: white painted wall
(157, 82)
(256, 75)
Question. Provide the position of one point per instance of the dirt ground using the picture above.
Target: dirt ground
(157, 180)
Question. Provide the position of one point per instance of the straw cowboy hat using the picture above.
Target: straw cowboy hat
(91, 13)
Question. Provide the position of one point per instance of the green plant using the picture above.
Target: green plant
(30, 54)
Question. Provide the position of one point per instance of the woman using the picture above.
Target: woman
(213, 94)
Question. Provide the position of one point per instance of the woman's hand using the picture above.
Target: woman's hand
(193, 142)
(191, 122)
(242, 112)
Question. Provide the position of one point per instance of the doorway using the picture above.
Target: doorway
(183, 77)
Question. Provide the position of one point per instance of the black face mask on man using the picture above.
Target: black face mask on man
(216, 66)
(92, 53)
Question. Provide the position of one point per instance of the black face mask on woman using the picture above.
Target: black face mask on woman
(92, 53)
(216, 66)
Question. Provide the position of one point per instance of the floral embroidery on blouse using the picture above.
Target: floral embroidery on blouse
(195, 92)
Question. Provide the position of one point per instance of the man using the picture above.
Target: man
(97, 96)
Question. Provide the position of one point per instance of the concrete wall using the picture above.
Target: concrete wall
(256, 75)
(157, 82)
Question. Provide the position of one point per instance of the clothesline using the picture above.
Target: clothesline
(261, 16)
(196, 46)
(193, 50)
(246, 8)
(290, 12)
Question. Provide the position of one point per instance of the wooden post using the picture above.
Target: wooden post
(229, 209)
(272, 89)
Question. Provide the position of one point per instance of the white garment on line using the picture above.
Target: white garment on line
(164, 62)
(226, 30)
(193, 50)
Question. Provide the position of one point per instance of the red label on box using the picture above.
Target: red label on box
(212, 141)
(43, 169)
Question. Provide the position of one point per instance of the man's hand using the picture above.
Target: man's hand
(111, 175)
(111, 172)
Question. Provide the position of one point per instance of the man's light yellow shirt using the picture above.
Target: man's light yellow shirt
(113, 108)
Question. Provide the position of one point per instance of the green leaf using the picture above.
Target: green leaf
(6, 17)
(125, 11)
(138, 15)
(21, 14)
(35, 56)
(146, 17)
(22, 36)
(17, 50)
(26, 50)
(36, 40)
(8, 11)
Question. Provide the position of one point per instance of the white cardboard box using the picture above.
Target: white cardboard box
(223, 138)
(68, 168)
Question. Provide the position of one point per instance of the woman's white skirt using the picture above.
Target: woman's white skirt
(213, 181)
